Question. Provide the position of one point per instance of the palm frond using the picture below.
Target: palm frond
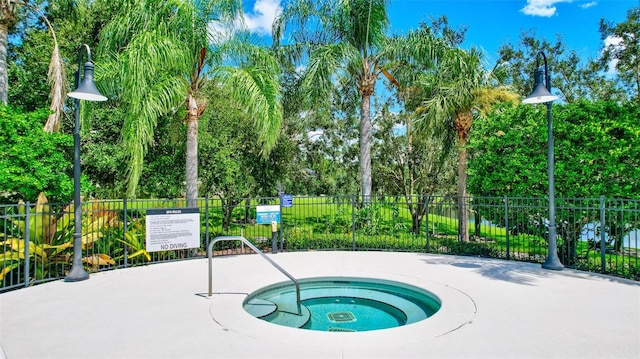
(56, 79)
(148, 78)
(325, 63)
(140, 121)
(460, 84)
(363, 23)
(55, 76)
(257, 90)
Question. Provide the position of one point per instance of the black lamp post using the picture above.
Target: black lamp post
(542, 94)
(85, 90)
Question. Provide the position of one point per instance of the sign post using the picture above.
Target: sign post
(286, 201)
(274, 237)
(270, 215)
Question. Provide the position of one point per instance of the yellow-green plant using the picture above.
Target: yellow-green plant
(134, 238)
(50, 240)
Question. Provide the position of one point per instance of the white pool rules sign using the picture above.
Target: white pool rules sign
(173, 228)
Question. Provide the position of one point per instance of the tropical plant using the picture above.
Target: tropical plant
(134, 239)
(56, 77)
(50, 239)
(347, 47)
(162, 56)
(458, 90)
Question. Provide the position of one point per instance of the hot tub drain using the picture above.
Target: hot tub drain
(341, 317)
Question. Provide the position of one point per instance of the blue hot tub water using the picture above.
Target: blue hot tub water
(343, 304)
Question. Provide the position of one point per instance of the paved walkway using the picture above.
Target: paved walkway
(491, 309)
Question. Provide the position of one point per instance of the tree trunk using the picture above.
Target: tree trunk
(463, 126)
(462, 193)
(192, 152)
(417, 210)
(416, 222)
(247, 210)
(228, 205)
(227, 211)
(365, 148)
(4, 75)
(7, 21)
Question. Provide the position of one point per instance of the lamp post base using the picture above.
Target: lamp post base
(553, 263)
(76, 274)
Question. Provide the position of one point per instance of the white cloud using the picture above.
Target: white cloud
(314, 135)
(259, 21)
(544, 8)
(589, 4)
(612, 42)
(220, 32)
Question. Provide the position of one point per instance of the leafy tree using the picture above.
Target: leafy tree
(332, 155)
(597, 151)
(34, 161)
(164, 174)
(28, 66)
(309, 169)
(102, 158)
(597, 154)
(104, 161)
(572, 78)
(344, 43)
(459, 90)
(411, 164)
(162, 60)
(233, 165)
(326, 144)
(625, 53)
(9, 15)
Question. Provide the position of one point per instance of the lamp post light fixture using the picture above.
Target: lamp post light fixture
(85, 90)
(542, 94)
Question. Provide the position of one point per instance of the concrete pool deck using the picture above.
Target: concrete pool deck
(491, 309)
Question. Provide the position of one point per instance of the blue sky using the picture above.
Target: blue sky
(491, 23)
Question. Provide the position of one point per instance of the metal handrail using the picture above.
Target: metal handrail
(255, 249)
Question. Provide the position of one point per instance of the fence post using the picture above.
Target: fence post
(125, 220)
(426, 222)
(353, 222)
(206, 221)
(281, 230)
(506, 224)
(281, 225)
(602, 242)
(27, 239)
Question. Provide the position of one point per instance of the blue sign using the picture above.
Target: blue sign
(267, 214)
(286, 201)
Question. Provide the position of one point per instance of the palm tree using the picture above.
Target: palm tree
(55, 75)
(347, 46)
(7, 21)
(163, 56)
(458, 90)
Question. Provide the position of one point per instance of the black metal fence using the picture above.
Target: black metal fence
(599, 235)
